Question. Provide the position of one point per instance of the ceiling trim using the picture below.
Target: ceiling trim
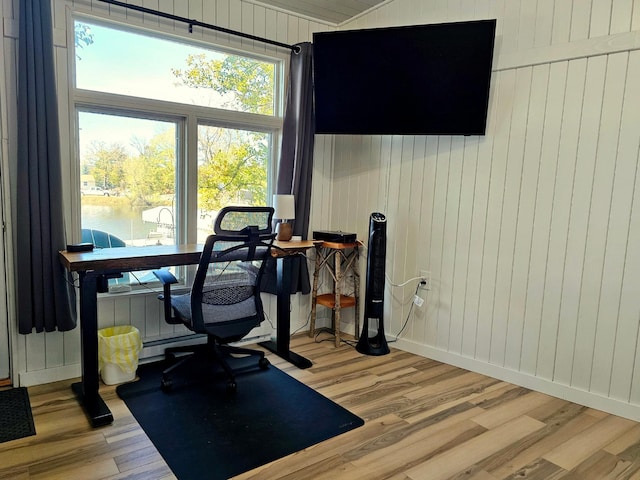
(366, 12)
(318, 20)
(289, 12)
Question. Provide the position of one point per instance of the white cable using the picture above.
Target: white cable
(402, 284)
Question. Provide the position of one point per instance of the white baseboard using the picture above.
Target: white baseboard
(48, 375)
(150, 352)
(566, 392)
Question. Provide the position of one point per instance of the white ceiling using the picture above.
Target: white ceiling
(330, 11)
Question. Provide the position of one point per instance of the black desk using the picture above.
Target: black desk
(92, 267)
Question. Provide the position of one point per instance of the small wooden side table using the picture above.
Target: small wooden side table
(338, 259)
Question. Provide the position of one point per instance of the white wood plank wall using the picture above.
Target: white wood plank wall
(530, 232)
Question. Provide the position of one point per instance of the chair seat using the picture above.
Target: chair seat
(213, 314)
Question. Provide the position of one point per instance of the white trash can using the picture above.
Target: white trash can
(118, 349)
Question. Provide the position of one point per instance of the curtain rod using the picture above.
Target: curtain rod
(200, 24)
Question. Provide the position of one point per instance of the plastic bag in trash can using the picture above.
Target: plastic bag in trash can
(119, 346)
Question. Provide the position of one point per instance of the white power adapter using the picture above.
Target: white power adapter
(418, 301)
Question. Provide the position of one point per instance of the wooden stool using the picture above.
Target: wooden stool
(337, 259)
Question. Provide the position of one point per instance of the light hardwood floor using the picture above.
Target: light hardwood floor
(424, 421)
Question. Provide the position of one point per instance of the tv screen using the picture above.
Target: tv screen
(414, 80)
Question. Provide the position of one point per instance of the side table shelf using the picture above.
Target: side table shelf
(338, 259)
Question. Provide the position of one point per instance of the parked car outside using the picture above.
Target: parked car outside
(97, 191)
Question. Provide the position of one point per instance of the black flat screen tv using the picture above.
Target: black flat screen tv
(413, 80)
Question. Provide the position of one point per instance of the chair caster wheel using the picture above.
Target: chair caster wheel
(264, 363)
(166, 384)
(232, 387)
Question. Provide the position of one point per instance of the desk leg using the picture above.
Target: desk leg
(281, 346)
(87, 389)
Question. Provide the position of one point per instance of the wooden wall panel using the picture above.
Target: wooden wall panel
(505, 87)
(635, 15)
(424, 221)
(468, 164)
(415, 244)
(509, 215)
(437, 238)
(554, 280)
(451, 211)
(530, 231)
(540, 237)
(396, 226)
(527, 24)
(581, 269)
(520, 287)
(580, 19)
(608, 218)
(544, 22)
(600, 18)
(477, 235)
(621, 14)
(624, 366)
(561, 30)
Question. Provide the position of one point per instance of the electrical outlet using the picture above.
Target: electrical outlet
(425, 280)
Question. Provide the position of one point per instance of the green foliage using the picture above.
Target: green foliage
(233, 169)
(146, 178)
(247, 84)
(106, 164)
(233, 164)
(150, 176)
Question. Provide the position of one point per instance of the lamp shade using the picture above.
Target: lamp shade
(284, 207)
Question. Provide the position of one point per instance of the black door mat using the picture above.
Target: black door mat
(16, 419)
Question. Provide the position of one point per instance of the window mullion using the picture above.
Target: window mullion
(122, 103)
(190, 180)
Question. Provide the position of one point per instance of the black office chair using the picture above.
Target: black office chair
(224, 302)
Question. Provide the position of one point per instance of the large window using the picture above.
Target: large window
(167, 133)
(127, 178)
(124, 62)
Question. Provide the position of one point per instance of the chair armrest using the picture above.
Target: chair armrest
(167, 279)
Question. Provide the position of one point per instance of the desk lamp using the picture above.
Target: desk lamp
(285, 210)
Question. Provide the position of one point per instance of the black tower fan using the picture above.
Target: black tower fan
(374, 296)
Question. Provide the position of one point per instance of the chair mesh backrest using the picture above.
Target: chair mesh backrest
(232, 220)
(232, 263)
(228, 288)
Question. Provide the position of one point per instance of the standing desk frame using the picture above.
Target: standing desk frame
(94, 267)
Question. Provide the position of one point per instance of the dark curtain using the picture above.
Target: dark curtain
(45, 298)
(296, 160)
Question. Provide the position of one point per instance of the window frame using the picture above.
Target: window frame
(187, 117)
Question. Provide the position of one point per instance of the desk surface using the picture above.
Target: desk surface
(155, 256)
